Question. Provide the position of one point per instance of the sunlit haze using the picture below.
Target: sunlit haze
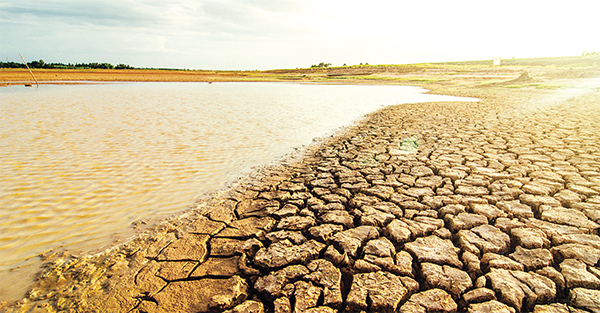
(247, 35)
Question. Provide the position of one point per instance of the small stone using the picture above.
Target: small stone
(586, 299)
(435, 250)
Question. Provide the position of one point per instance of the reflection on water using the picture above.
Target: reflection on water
(79, 164)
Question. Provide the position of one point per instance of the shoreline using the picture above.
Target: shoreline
(153, 270)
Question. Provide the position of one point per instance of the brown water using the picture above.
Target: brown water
(80, 164)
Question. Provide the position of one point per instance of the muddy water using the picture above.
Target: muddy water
(80, 164)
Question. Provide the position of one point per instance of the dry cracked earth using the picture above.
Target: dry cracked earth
(498, 210)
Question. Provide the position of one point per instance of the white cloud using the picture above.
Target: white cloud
(251, 34)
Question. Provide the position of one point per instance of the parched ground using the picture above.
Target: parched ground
(496, 210)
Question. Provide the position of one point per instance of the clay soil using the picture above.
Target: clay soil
(493, 207)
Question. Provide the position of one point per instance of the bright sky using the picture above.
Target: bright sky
(268, 34)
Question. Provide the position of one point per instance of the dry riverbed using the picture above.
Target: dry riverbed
(496, 208)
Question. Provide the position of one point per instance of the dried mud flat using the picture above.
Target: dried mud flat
(498, 210)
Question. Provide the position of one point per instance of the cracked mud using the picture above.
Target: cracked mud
(497, 211)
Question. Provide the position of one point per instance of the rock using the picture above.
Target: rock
(506, 224)
(451, 279)
(324, 231)
(351, 240)
(324, 274)
(435, 250)
(284, 253)
(535, 201)
(464, 221)
(384, 291)
(479, 295)
(521, 290)
(493, 260)
(380, 247)
(433, 300)
(529, 238)
(492, 306)
(248, 306)
(576, 275)
(296, 223)
(587, 254)
(202, 295)
(586, 299)
(532, 259)
(190, 247)
(306, 295)
(364, 266)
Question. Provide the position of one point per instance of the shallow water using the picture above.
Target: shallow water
(79, 164)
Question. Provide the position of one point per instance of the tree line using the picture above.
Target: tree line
(42, 64)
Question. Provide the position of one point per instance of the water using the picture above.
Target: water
(79, 164)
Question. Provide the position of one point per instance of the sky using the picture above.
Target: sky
(271, 34)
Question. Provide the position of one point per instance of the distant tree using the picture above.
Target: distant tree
(322, 64)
